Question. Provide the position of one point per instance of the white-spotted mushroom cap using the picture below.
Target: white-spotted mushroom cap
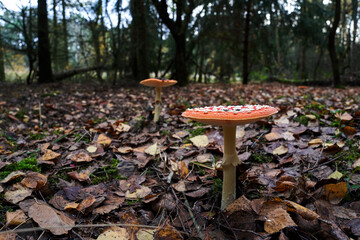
(229, 115)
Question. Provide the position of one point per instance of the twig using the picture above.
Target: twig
(243, 230)
(40, 120)
(200, 234)
(331, 160)
(86, 226)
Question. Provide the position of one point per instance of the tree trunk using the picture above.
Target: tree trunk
(65, 34)
(55, 41)
(2, 60)
(245, 72)
(180, 60)
(45, 72)
(303, 61)
(140, 41)
(331, 44)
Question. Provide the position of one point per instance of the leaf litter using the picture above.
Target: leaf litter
(94, 165)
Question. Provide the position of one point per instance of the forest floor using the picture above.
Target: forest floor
(87, 162)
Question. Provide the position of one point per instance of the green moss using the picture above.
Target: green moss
(302, 120)
(106, 173)
(261, 158)
(37, 136)
(197, 132)
(21, 113)
(29, 163)
(315, 106)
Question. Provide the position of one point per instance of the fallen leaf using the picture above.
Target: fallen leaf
(48, 218)
(50, 155)
(181, 134)
(356, 164)
(179, 186)
(302, 211)
(34, 180)
(145, 234)
(280, 150)
(315, 141)
(124, 150)
(153, 150)
(86, 203)
(8, 236)
(12, 176)
(80, 156)
(335, 192)
(103, 140)
(200, 141)
(17, 193)
(142, 192)
(91, 149)
(122, 127)
(344, 117)
(276, 220)
(183, 170)
(167, 232)
(336, 175)
(114, 233)
(349, 131)
(15, 218)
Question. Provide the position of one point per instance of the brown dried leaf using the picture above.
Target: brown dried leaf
(12, 176)
(48, 218)
(335, 192)
(86, 203)
(276, 220)
(103, 140)
(167, 232)
(17, 193)
(114, 233)
(34, 180)
(240, 204)
(280, 150)
(50, 155)
(15, 218)
(183, 170)
(80, 156)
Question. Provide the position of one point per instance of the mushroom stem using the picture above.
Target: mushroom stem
(230, 161)
(157, 104)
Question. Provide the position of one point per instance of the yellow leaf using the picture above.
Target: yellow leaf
(335, 175)
(200, 141)
(315, 141)
(153, 150)
(356, 163)
(280, 150)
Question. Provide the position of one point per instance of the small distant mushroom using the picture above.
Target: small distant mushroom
(229, 117)
(157, 84)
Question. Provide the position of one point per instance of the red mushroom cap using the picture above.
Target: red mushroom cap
(154, 82)
(229, 115)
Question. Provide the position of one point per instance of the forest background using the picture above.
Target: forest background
(123, 42)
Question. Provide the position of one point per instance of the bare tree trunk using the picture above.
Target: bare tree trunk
(65, 34)
(2, 60)
(332, 47)
(245, 72)
(45, 71)
(303, 60)
(55, 41)
(140, 41)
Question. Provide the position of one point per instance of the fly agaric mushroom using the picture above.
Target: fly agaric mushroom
(229, 117)
(158, 84)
